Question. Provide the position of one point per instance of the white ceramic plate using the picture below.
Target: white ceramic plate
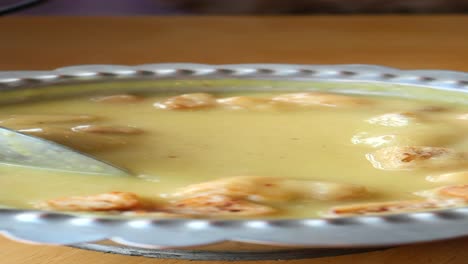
(363, 231)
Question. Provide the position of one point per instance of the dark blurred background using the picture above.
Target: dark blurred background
(195, 7)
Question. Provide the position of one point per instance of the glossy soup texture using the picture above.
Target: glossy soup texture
(262, 155)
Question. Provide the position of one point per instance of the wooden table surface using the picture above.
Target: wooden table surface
(35, 43)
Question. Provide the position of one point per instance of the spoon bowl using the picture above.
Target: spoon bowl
(18, 149)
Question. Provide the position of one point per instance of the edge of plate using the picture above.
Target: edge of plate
(57, 228)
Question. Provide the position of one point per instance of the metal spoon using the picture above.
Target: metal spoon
(18, 149)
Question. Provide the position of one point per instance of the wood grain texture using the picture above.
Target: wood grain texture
(400, 41)
(40, 43)
(447, 252)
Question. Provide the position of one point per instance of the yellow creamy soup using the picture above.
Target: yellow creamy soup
(263, 155)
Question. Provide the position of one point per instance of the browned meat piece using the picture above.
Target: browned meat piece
(112, 201)
(187, 101)
(415, 157)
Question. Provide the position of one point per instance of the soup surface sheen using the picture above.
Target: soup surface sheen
(268, 155)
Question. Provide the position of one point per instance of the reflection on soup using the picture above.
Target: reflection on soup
(269, 155)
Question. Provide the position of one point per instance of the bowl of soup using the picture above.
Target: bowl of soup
(296, 155)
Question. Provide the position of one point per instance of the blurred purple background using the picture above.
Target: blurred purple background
(178, 7)
(94, 7)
